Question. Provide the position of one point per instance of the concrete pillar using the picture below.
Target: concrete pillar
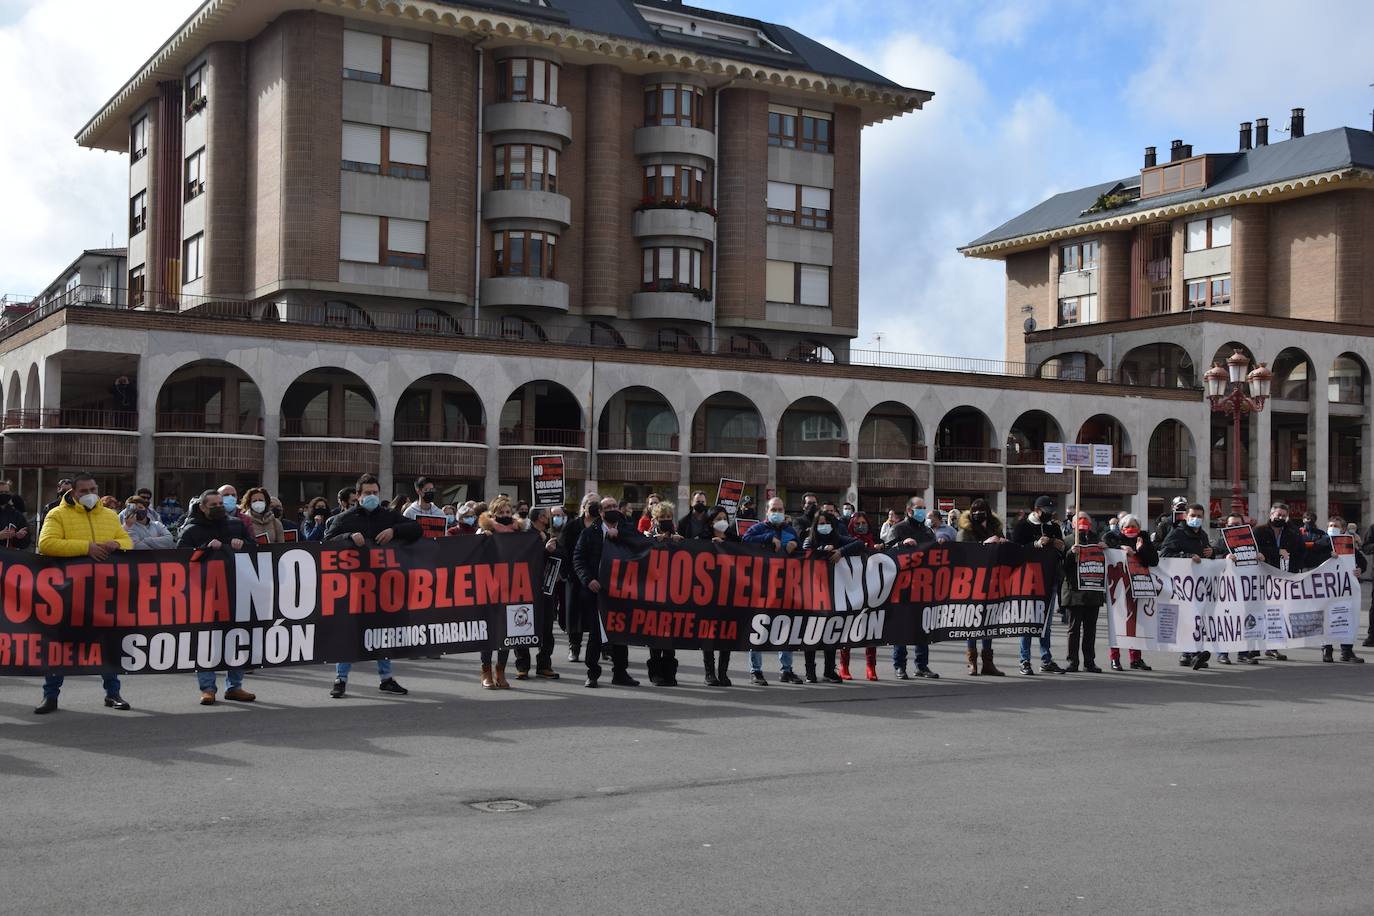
(50, 392)
(854, 427)
(491, 484)
(145, 474)
(271, 428)
(1202, 437)
(684, 441)
(1318, 452)
(386, 432)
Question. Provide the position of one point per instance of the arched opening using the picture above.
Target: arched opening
(676, 340)
(1172, 454)
(440, 408)
(1159, 365)
(603, 335)
(1345, 383)
(728, 423)
(638, 419)
(514, 327)
(812, 428)
(891, 432)
(1225, 350)
(329, 403)
(1292, 376)
(1104, 429)
(210, 396)
(32, 391)
(810, 351)
(14, 402)
(1028, 435)
(340, 314)
(966, 435)
(749, 345)
(1074, 367)
(542, 413)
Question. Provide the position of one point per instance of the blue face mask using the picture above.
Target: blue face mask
(469, 520)
(370, 502)
(231, 503)
(775, 518)
(1194, 522)
(558, 521)
(919, 515)
(824, 529)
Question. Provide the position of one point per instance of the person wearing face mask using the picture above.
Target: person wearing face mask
(1190, 540)
(588, 515)
(263, 525)
(1281, 546)
(646, 518)
(1178, 510)
(722, 532)
(1222, 549)
(500, 519)
(662, 665)
(279, 512)
(1083, 604)
(847, 511)
(911, 531)
(695, 525)
(80, 527)
(894, 518)
(364, 524)
(775, 533)
(1039, 529)
(211, 527)
(943, 527)
(466, 519)
(316, 520)
(826, 539)
(424, 504)
(63, 485)
(859, 531)
(146, 530)
(1322, 550)
(810, 506)
(230, 494)
(1131, 539)
(587, 566)
(1310, 531)
(15, 501)
(980, 526)
(547, 523)
(14, 527)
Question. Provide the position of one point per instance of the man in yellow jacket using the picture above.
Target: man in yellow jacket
(80, 527)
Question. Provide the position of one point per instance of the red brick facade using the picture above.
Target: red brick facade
(452, 167)
(742, 229)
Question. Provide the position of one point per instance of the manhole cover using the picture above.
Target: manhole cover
(502, 806)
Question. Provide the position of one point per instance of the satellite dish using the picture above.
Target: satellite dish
(1029, 325)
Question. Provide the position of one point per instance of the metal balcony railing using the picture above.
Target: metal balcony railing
(209, 423)
(424, 432)
(892, 451)
(968, 454)
(727, 445)
(638, 442)
(72, 418)
(320, 428)
(557, 438)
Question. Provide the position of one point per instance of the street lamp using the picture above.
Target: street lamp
(1237, 402)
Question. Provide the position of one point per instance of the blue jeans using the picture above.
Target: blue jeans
(233, 678)
(1046, 650)
(756, 661)
(52, 685)
(383, 669)
(899, 657)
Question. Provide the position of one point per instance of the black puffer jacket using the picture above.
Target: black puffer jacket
(343, 526)
(199, 530)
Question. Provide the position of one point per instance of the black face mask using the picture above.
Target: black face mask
(1278, 522)
(141, 514)
(594, 511)
(665, 527)
(613, 517)
(276, 510)
(5, 499)
(979, 517)
(699, 507)
(427, 496)
(216, 514)
(504, 520)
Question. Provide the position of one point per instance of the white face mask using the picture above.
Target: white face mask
(89, 500)
(258, 506)
(1334, 531)
(722, 526)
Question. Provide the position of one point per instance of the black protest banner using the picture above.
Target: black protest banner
(1092, 568)
(729, 494)
(546, 480)
(740, 596)
(1240, 540)
(176, 610)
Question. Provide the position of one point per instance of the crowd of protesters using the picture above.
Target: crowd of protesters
(83, 522)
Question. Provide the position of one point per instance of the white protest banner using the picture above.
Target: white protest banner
(1220, 606)
(1102, 460)
(1054, 457)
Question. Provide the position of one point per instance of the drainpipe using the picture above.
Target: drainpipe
(481, 155)
(715, 197)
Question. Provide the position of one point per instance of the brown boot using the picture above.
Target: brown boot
(972, 661)
(240, 695)
(207, 698)
(500, 677)
(988, 667)
(487, 681)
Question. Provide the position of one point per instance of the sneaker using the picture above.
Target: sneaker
(522, 675)
(923, 671)
(1224, 657)
(1092, 668)
(1368, 642)
(790, 677)
(833, 677)
(1247, 658)
(623, 680)
(547, 674)
(1026, 668)
(1352, 658)
(589, 683)
(1050, 667)
(901, 675)
(756, 678)
(1327, 655)
(1276, 655)
(575, 656)
(339, 688)
(1116, 664)
(810, 677)
(1138, 664)
(390, 686)
(1200, 660)
(1071, 668)
(1185, 659)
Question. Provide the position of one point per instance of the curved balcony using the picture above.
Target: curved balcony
(525, 118)
(965, 469)
(815, 473)
(520, 443)
(88, 438)
(676, 141)
(670, 307)
(519, 209)
(674, 222)
(526, 292)
(197, 442)
(893, 466)
(420, 449)
(646, 458)
(311, 446)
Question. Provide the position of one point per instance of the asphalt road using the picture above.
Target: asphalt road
(1227, 790)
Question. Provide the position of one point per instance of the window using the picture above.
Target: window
(1209, 292)
(521, 167)
(136, 289)
(193, 258)
(385, 151)
(1212, 232)
(800, 128)
(524, 254)
(371, 58)
(360, 238)
(672, 270)
(1078, 310)
(138, 140)
(682, 184)
(195, 174)
(798, 205)
(405, 243)
(1078, 256)
(674, 105)
(195, 91)
(521, 79)
(819, 427)
(798, 284)
(138, 213)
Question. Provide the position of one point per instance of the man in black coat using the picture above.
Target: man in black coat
(587, 567)
(913, 528)
(368, 523)
(14, 527)
(1280, 543)
(1039, 529)
(211, 527)
(696, 524)
(1188, 539)
(589, 516)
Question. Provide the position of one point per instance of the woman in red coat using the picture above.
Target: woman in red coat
(861, 531)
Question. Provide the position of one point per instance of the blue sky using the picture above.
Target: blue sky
(1031, 98)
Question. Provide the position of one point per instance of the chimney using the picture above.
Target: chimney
(1186, 152)
(1149, 157)
(1176, 151)
(1261, 132)
(1295, 125)
(1244, 136)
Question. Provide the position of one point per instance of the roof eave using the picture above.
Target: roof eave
(1289, 187)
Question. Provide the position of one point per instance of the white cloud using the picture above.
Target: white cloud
(59, 62)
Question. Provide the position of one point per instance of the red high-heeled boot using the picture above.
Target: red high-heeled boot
(844, 666)
(871, 663)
